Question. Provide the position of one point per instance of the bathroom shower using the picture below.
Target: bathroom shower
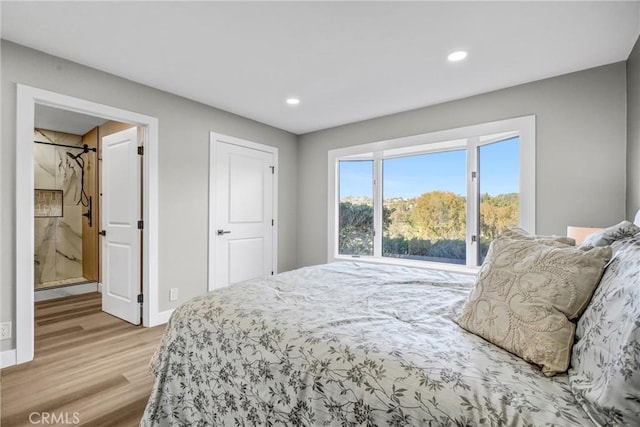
(65, 181)
(84, 200)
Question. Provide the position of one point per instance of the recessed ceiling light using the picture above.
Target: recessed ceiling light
(293, 101)
(457, 56)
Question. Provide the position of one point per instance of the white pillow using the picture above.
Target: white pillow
(637, 220)
(605, 373)
(609, 235)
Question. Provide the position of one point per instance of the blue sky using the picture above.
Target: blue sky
(409, 177)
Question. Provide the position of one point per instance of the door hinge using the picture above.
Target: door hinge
(474, 238)
(273, 222)
(140, 225)
(141, 150)
(272, 273)
(140, 298)
(473, 174)
(273, 170)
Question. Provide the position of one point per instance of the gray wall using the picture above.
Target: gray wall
(580, 159)
(184, 128)
(633, 131)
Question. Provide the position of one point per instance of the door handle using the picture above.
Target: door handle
(102, 233)
(221, 232)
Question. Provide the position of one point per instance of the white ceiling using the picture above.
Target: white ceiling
(65, 121)
(347, 61)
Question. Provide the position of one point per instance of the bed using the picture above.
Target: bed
(356, 344)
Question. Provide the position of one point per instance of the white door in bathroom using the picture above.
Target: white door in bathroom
(120, 212)
(242, 209)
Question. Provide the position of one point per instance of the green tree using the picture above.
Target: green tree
(497, 213)
(356, 228)
(440, 215)
(400, 218)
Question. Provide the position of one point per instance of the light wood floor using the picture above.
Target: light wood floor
(86, 362)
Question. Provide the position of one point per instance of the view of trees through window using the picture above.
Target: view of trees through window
(427, 209)
(424, 204)
(356, 208)
(499, 196)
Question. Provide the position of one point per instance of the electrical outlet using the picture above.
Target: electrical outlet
(173, 294)
(5, 330)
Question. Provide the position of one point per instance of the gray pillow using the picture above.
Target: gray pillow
(521, 233)
(609, 235)
(605, 373)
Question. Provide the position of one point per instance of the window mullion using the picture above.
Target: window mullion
(473, 202)
(377, 204)
(333, 208)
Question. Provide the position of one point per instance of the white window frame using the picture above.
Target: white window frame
(469, 138)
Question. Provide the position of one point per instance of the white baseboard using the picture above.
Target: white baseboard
(8, 358)
(161, 317)
(99, 287)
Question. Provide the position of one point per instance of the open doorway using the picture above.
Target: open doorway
(28, 98)
(68, 200)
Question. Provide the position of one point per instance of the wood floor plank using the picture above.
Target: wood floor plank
(57, 334)
(86, 363)
(57, 397)
(127, 405)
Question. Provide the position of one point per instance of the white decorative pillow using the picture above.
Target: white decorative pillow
(611, 234)
(526, 293)
(605, 365)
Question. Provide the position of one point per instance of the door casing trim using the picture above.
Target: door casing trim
(27, 98)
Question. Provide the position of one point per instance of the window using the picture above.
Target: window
(356, 208)
(424, 207)
(498, 167)
(433, 198)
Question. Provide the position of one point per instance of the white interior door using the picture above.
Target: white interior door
(244, 212)
(120, 215)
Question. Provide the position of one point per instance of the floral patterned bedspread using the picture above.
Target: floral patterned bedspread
(344, 344)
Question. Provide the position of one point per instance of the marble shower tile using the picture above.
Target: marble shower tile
(45, 249)
(43, 135)
(44, 166)
(69, 244)
(58, 241)
(67, 139)
(68, 176)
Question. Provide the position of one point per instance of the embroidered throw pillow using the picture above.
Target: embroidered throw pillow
(526, 294)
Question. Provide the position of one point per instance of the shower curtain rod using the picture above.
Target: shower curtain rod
(84, 147)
